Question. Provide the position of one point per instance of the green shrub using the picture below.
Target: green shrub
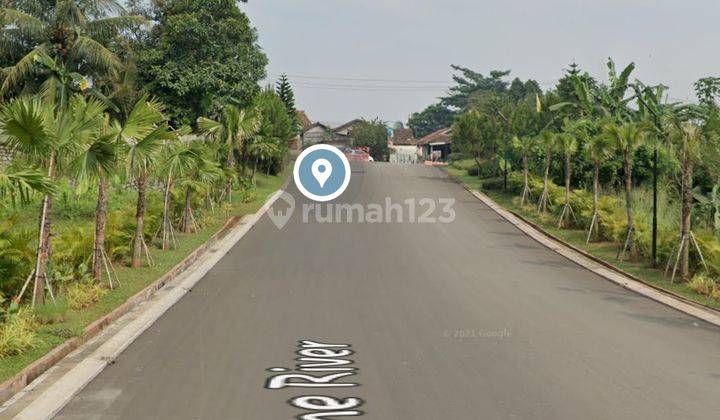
(17, 334)
(464, 164)
(493, 184)
(74, 246)
(52, 312)
(83, 294)
(703, 284)
(16, 255)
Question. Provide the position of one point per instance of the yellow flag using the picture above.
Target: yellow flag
(538, 104)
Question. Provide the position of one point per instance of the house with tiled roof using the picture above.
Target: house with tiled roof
(437, 145)
(403, 146)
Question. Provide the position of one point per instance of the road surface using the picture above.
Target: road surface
(464, 320)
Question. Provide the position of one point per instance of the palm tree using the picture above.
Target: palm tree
(144, 134)
(199, 176)
(65, 36)
(627, 138)
(97, 162)
(548, 145)
(40, 131)
(695, 135)
(567, 145)
(232, 130)
(525, 145)
(261, 149)
(598, 148)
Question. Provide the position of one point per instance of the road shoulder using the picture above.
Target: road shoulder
(50, 392)
(601, 268)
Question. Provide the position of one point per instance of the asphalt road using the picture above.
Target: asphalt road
(466, 320)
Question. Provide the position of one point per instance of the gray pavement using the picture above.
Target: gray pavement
(466, 320)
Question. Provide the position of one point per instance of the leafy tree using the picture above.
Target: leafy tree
(372, 134)
(519, 90)
(285, 91)
(567, 86)
(275, 130)
(431, 119)
(471, 83)
(55, 43)
(469, 139)
(201, 56)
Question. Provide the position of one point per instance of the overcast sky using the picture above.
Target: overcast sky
(327, 45)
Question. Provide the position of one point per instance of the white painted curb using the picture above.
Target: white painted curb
(68, 386)
(599, 269)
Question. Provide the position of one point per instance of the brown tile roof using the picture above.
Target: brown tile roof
(347, 124)
(440, 136)
(304, 120)
(403, 137)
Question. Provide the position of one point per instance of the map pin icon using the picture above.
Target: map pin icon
(321, 170)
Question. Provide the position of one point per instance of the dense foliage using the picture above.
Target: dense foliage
(97, 107)
(598, 136)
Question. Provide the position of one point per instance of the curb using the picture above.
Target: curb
(597, 265)
(31, 372)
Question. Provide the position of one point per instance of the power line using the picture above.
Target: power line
(359, 79)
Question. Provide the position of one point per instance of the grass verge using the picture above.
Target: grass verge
(606, 251)
(133, 281)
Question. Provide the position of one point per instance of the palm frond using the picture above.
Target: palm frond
(22, 69)
(108, 27)
(94, 53)
(24, 122)
(19, 184)
(26, 23)
(142, 120)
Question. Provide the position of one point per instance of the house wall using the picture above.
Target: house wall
(404, 154)
(315, 135)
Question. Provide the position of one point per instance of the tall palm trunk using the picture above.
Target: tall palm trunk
(544, 198)
(564, 221)
(627, 165)
(254, 170)
(100, 222)
(139, 241)
(166, 214)
(596, 187)
(229, 163)
(687, 205)
(44, 246)
(526, 180)
(187, 213)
